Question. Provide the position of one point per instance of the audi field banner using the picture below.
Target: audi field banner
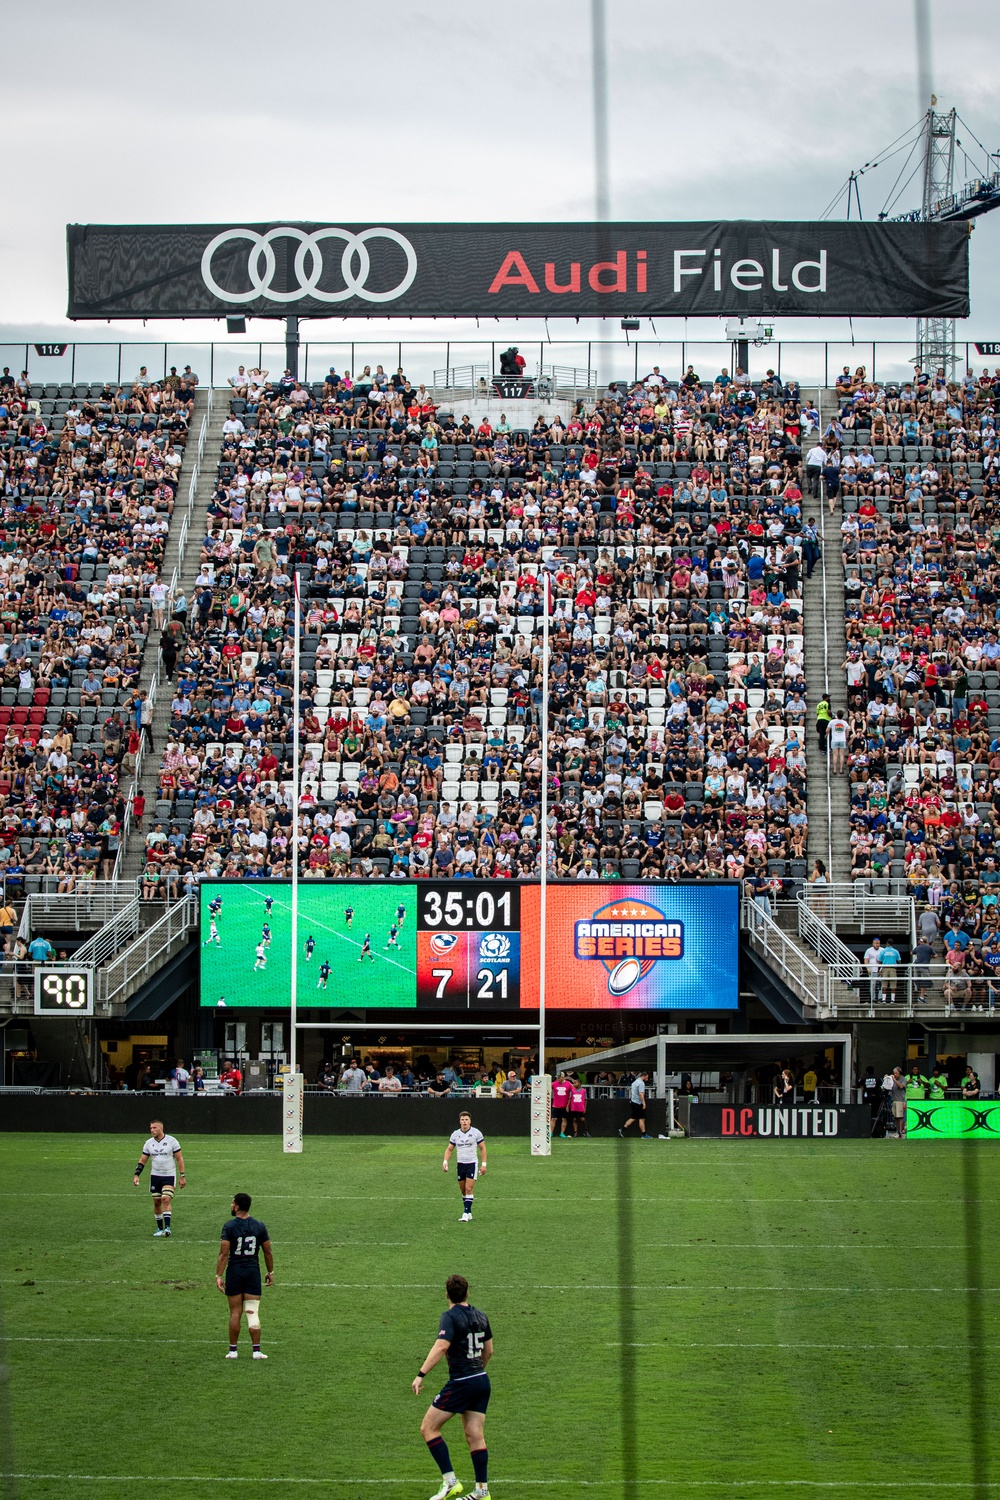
(518, 270)
(767, 1122)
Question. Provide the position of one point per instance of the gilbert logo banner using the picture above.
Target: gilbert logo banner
(719, 269)
(953, 1120)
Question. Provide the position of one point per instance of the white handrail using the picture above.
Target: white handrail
(142, 957)
(802, 976)
(826, 661)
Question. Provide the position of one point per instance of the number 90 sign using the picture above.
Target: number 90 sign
(64, 992)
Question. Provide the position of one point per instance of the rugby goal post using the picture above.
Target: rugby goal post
(291, 1112)
(541, 1115)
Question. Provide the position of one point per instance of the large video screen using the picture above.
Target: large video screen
(470, 945)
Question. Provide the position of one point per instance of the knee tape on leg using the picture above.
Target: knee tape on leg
(167, 1191)
(250, 1306)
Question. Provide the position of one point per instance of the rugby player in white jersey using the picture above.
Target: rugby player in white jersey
(465, 1142)
(166, 1159)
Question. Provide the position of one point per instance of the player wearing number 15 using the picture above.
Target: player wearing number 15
(165, 1153)
(465, 1336)
(237, 1272)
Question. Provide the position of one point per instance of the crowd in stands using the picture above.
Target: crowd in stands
(87, 475)
(669, 520)
(914, 470)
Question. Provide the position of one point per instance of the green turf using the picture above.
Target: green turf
(227, 969)
(800, 1316)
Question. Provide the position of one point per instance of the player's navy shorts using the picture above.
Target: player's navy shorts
(467, 1169)
(470, 1394)
(157, 1184)
(243, 1280)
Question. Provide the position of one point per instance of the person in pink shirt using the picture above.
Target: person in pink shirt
(578, 1110)
(561, 1090)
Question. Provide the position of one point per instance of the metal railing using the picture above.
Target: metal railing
(112, 937)
(823, 940)
(93, 904)
(810, 983)
(855, 904)
(811, 362)
(907, 989)
(913, 991)
(130, 968)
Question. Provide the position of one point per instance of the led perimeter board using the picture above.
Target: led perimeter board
(471, 945)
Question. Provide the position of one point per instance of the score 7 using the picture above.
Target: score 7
(442, 975)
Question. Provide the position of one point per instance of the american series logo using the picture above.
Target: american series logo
(628, 937)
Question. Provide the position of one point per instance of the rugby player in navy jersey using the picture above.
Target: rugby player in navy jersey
(237, 1271)
(465, 1337)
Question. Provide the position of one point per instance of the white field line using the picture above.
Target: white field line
(678, 1483)
(540, 1286)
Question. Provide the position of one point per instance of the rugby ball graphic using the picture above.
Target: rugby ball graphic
(624, 976)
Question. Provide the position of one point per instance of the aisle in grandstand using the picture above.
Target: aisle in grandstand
(670, 520)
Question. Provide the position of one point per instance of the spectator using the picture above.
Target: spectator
(231, 1079)
(873, 963)
(511, 1086)
(353, 1079)
(390, 1084)
(897, 1100)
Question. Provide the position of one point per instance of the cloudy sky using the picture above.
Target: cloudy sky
(394, 112)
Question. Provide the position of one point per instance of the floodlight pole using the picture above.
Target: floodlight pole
(297, 625)
(543, 843)
(292, 345)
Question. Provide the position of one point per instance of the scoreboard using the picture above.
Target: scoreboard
(471, 945)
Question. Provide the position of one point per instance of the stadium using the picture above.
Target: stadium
(492, 679)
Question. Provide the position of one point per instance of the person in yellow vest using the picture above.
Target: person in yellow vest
(809, 1082)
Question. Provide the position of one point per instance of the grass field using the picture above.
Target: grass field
(780, 1319)
(228, 968)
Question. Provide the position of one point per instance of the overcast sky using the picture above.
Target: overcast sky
(451, 111)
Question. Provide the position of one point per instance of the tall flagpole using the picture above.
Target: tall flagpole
(293, 1046)
(292, 1102)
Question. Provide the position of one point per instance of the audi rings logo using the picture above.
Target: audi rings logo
(309, 265)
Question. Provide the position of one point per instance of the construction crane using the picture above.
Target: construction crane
(932, 144)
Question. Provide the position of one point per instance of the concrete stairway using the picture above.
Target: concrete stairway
(187, 572)
(823, 597)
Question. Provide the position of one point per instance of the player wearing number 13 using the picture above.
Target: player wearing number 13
(237, 1272)
(465, 1336)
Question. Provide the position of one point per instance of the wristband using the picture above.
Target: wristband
(138, 1170)
(421, 1375)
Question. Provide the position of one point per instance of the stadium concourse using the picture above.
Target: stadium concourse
(670, 519)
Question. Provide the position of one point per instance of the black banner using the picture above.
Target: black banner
(766, 1122)
(740, 268)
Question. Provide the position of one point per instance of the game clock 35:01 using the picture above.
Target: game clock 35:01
(471, 905)
(469, 946)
